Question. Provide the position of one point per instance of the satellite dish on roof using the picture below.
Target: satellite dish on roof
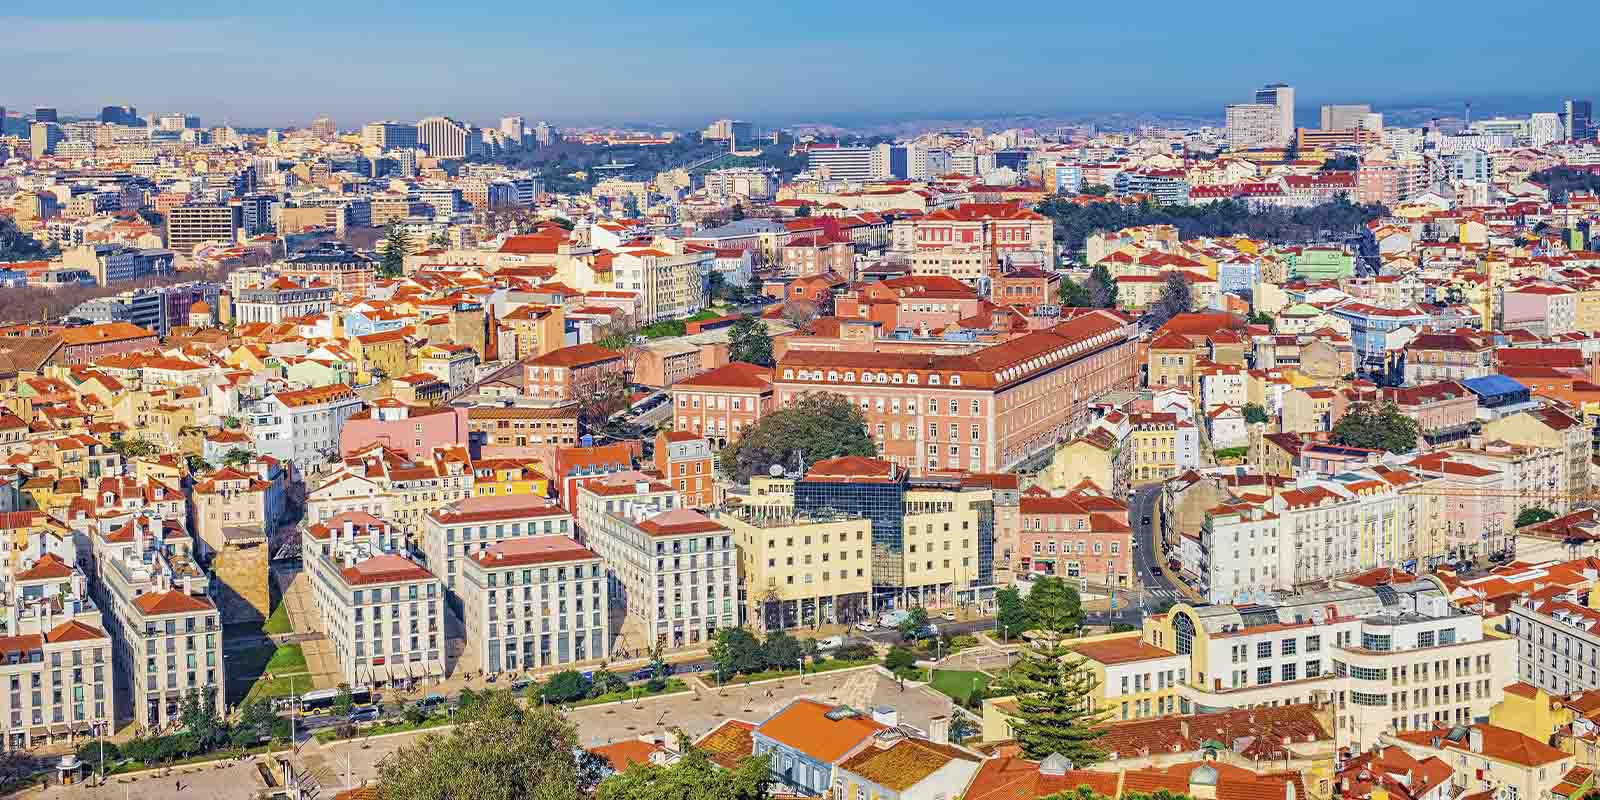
(776, 470)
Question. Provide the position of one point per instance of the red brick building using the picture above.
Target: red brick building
(90, 342)
(986, 411)
(723, 402)
(685, 462)
(559, 374)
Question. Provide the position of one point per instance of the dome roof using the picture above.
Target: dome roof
(1203, 775)
(200, 307)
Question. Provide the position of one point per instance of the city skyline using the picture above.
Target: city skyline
(264, 68)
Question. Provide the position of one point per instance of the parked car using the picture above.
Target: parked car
(521, 684)
(830, 643)
(430, 701)
(1145, 521)
(948, 616)
(643, 674)
(365, 714)
(865, 626)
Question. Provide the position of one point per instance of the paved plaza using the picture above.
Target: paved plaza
(693, 712)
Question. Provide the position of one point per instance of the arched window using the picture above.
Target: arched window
(1183, 631)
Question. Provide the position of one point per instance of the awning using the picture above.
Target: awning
(384, 673)
(364, 675)
(38, 732)
(60, 729)
(435, 668)
(82, 726)
(415, 669)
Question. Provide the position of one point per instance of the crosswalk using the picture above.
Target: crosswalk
(1163, 594)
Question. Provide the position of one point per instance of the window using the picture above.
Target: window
(1263, 649)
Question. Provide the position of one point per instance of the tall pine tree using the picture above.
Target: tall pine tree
(1055, 694)
(392, 255)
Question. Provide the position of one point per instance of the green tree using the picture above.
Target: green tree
(899, 658)
(237, 456)
(1012, 614)
(135, 447)
(1254, 412)
(198, 717)
(1055, 706)
(781, 651)
(565, 687)
(1260, 318)
(749, 341)
(392, 254)
(694, 776)
(915, 620)
(1053, 605)
(735, 650)
(497, 751)
(439, 239)
(819, 426)
(344, 701)
(1102, 287)
(803, 211)
(256, 719)
(1095, 190)
(196, 464)
(1533, 515)
(1176, 298)
(1382, 428)
(1075, 295)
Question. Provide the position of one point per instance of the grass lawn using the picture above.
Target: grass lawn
(247, 669)
(958, 684)
(288, 660)
(673, 686)
(278, 622)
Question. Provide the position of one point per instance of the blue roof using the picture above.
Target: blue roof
(1491, 385)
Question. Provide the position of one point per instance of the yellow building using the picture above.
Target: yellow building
(382, 352)
(1489, 758)
(1094, 456)
(498, 477)
(940, 559)
(800, 570)
(1133, 680)
(1172, 359)
(1308, 410)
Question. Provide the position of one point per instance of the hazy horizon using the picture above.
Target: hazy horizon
(287, 64)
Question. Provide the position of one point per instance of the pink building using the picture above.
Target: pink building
(412, 430)
(1477, 509)
(1076, 536)
(1444, 411)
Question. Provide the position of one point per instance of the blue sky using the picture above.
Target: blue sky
(286, 62)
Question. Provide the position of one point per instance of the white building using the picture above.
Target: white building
(537, 602)
(302, 425)
(444, 137)
(476, 524)
(381, 610)
(1394, 657)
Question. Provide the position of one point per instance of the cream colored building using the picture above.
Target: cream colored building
(1392, 658)
(799, 570)
(537, 602)
(1489, 759)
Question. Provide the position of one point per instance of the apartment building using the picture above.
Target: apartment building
(800, 569)
(347, 270)
(1390, 658)
(535, 431)
(55, 657)
(687, 462)
(1079, 536)
(1164, 444)
(981, 412)
(561, 376)
(972, 240)
(381, 610)
(1448, 357)
(165, 629)
(302, 425)
(1553, 428)
(1558, 645)
(537, 602)
(475, 524)
(722, 403)
(189, 226)
(670, 285)
(280, 300)
(1490, 760)
(674, 570)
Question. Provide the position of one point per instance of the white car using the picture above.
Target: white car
(830, 643)
(866, 627)
(948, 616)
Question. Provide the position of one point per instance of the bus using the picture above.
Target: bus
(327, 698)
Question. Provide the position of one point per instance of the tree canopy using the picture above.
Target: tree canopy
(1177, 297)
(1053, 605)
(750, 341)
(1012, 614)
(392, 253)
(1533, 515)
(694, 776)
(1254, 412)
(497, 751)
(1055, 706)
(1074, 223)
(1561, 181)
(1382, 428)
(819, 426)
